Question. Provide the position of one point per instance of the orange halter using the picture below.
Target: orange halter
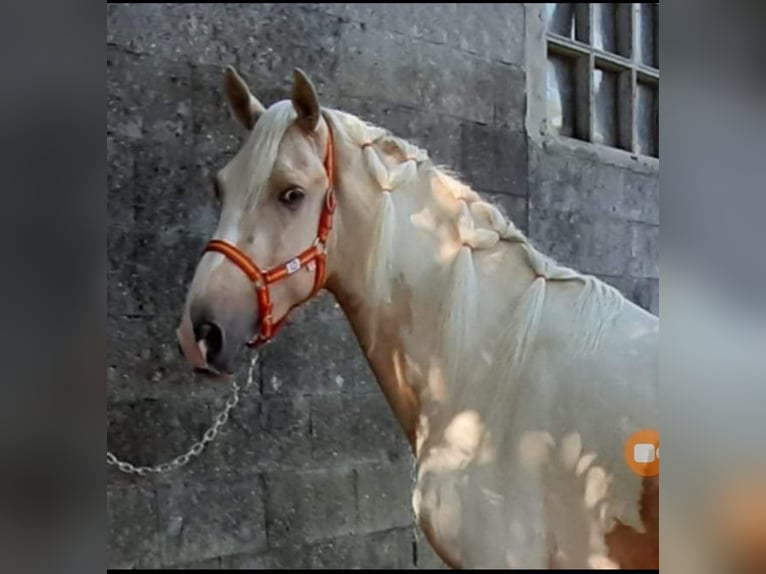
(262, 279)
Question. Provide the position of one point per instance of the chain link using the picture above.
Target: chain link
(413, 485)
(197, 447)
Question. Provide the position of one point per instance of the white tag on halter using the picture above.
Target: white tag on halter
(293, 265)
(311, 265)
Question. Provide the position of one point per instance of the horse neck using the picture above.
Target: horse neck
(401, 324)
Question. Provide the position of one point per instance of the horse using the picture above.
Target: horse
(516, 380)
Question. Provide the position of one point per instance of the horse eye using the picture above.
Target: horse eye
(291, 197)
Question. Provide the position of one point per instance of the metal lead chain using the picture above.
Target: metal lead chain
(413, 485)
(197, 447)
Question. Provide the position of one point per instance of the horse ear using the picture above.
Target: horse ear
(245, 107)
(305, 101)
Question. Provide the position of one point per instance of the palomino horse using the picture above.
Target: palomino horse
(516, 380)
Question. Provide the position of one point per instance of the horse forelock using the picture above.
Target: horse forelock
(261, 150)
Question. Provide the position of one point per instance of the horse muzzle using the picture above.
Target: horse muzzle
(211, 340)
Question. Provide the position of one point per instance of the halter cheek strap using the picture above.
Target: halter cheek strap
(262, 279)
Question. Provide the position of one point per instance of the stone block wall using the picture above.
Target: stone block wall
(312, 470)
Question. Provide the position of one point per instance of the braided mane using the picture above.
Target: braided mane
(481, 226)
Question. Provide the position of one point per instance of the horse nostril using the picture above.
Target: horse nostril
(212, 335)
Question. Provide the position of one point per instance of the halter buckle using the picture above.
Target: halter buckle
(320, 245)
(330, 202)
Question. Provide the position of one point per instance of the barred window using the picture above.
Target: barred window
(603, 77)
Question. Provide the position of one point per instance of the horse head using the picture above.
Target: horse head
(267, 254)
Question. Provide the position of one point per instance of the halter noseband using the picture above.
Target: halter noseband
(262, 279)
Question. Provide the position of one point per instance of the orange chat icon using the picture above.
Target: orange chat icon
(642, 452)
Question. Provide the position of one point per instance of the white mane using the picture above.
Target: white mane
(480, 226)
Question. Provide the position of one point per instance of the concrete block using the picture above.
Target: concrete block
(204, 520)
(280, 37)
(355, 428)
(218, 136)
(457, 84)
(384, 493)
(263, 434)
(419, 21)
(380, 65)
(340, 553)
(171, 196)
(132, 526)
(148, 98)
(510, 96)
(314, 355)
(181, 423)
(133, 429)
(212, 564)
(294, 556)
(149, 274)
(143, 362)
(119, 163)
(173, 31)
(308, 506)
(491, 30)
(331, 416)
(644, 250)
(571, 182)
(377, 434)
(391, 549)
(162, 197)
(641, 197)
(493, 159)
(150, 431)
(590, 244)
